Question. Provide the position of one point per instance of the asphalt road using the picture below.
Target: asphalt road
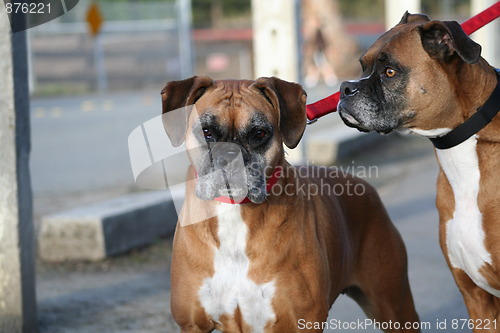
(131, 293)
(80, 144)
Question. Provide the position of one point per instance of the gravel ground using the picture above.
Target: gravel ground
(129, 293)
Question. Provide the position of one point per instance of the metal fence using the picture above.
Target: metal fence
(141, 45)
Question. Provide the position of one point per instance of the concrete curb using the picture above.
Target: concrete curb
(107, 228)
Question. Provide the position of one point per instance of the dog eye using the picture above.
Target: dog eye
(260, 134)
(208, 134)
(390, 72)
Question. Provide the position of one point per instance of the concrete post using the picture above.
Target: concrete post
(276, 46)
(487, 36)
(17, 277)
(276, 49)
(394, 10)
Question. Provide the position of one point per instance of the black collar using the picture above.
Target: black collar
(474, 124)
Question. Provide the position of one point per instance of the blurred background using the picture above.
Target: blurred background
(96, 74)
(143, 44)
(96, 71)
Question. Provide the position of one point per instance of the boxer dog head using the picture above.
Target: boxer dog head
(234, 130)
(407, 76)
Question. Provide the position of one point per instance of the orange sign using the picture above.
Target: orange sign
(94, 19)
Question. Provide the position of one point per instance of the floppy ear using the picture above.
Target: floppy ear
(176, 96)
(289, 99)
(411, 18)
(442, 39)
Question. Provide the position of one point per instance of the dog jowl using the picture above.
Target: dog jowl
(407, 76)
(230, 140)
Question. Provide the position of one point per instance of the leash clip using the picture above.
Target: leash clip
(311, 121)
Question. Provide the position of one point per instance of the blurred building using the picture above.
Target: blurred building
(143, 44)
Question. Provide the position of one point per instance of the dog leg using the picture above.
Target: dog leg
(392, 306)
(384, 292)
(386, 303)
(482, 306)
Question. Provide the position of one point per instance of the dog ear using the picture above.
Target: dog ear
(411, 18)
(176, 96)
(289, 99)
(442, 39)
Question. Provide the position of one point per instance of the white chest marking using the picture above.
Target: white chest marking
(230, 286)
(464, 232)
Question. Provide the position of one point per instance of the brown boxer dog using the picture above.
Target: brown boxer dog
(428, 77)
(277, 260)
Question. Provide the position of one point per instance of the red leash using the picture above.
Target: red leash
(329, 104)
(480, 20)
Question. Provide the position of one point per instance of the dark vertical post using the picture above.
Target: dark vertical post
(17, 272)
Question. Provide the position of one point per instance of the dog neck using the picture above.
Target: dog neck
(473, 124)
(483, 116)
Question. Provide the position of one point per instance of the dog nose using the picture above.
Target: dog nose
(348, 88)
(226, 157)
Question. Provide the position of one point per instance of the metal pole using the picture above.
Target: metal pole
(102, 78)
(184, 24)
